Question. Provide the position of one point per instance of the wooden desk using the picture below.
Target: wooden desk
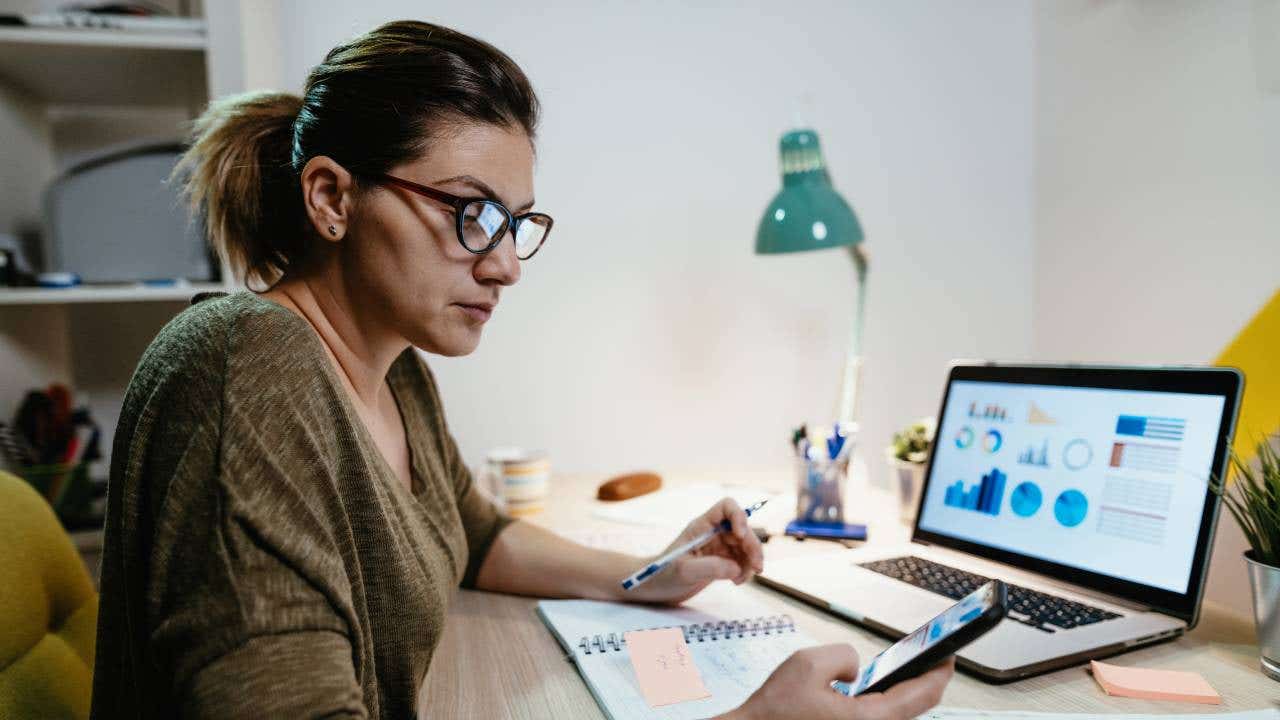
(497, 659)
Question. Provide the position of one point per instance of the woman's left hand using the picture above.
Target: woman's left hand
(734, 554)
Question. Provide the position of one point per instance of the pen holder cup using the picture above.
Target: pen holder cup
(820, 485)
(65, 486)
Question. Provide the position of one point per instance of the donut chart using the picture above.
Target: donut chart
(992, 441)
(1077, 454)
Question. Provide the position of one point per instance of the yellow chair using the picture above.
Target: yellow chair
(48, 611)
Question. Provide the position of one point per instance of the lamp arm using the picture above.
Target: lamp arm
(852, 379)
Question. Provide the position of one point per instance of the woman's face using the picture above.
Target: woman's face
(403, 248)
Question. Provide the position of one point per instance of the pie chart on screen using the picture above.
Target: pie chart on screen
(1070, 508)
(1026, 499)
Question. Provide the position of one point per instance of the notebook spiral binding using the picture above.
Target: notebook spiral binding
(700, 632)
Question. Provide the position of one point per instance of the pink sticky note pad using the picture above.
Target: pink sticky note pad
(664, 666)
(1154, 684)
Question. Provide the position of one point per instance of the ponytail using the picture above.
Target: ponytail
(238, 176)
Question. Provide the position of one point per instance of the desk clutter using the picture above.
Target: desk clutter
(625, 487)
(519, 480)
(697, 661)
(822, 470)
(50, 445)
(703, 659)
(709, 656)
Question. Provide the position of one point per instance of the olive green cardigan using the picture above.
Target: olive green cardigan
(261, 558)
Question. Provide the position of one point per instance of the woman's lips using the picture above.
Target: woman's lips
(478, 313)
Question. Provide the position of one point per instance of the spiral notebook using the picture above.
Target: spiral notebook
(735, 646)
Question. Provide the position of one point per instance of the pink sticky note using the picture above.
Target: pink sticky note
(1154, 684)
(664, 666)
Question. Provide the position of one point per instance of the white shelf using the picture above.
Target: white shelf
(107, 294)
(87, 37)
(104, 67)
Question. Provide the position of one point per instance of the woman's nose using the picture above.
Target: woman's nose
(500, 263)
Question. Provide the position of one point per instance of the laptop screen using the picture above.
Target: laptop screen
(1109, 480)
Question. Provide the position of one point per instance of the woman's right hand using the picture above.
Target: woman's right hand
(801, 688)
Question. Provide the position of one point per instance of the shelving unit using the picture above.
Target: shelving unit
(104, 67)
(66, 94)
(181, 292)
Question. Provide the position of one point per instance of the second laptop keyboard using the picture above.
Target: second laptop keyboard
(1030, 607)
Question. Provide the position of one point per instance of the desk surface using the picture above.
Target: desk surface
(497, 660)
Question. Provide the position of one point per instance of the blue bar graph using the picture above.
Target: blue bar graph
(1156, 428)
(985, 497)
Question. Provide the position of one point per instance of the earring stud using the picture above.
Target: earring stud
(333, 231)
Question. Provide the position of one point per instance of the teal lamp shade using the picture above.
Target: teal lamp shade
(807, 214)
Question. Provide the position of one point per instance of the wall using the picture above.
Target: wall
(647, 334)
(1157, 179)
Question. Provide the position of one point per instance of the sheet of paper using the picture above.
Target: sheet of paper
(664, 667)
(1153, 684)
(675, 507)
(643, 542)
(945, 713)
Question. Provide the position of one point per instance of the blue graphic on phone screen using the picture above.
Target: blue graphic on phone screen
(963, 612)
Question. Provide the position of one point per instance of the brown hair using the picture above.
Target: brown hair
(373, 103)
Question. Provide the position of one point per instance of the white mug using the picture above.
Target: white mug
(518, 479)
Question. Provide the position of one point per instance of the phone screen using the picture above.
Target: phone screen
(969, 608)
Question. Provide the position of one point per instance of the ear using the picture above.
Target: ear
(328, 195)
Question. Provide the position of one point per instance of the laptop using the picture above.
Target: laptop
(1086, 489)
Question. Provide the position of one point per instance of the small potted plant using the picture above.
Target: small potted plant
(1254, 502)
(907, 456)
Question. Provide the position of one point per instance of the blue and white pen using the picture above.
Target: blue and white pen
(661, 563)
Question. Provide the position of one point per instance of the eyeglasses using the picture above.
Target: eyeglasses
(482, 223)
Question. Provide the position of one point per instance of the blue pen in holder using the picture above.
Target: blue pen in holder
(821, 472)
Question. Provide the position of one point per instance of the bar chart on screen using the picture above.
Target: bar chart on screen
(984, 497)
(988, 411)
(1035, 456)
(1155, 428)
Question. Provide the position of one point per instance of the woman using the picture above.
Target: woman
(288, 515)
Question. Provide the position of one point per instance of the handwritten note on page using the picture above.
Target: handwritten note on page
(664, 667)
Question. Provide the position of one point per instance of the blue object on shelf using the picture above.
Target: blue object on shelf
(57, 280)
(837, 531)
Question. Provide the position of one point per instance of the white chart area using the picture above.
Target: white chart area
(1109, 481)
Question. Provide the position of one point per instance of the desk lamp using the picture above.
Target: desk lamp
(808, 214)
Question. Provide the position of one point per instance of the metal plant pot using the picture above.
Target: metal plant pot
(908, 481)
(1265, 580)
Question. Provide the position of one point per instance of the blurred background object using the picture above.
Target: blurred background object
(908, 457)
(50, 445)
(115, 217)
(51, 612)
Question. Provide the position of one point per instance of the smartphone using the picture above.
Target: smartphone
(969, 619)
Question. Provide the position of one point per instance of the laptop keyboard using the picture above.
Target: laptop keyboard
(1029, 607)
